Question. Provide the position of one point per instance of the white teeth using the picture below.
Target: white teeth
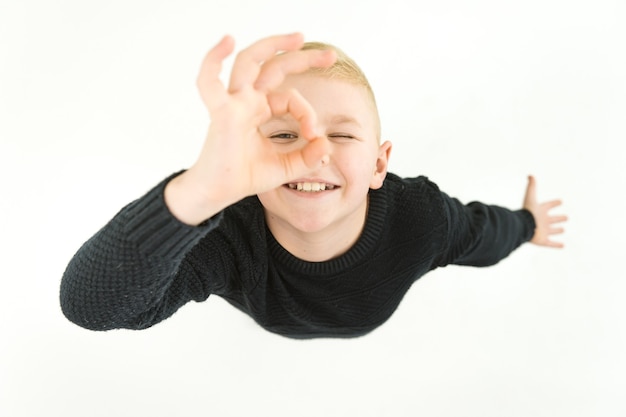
(310, 187)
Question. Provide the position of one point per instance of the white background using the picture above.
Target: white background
(98, 103)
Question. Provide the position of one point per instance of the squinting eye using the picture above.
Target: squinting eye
(342, 136)
(284, 137)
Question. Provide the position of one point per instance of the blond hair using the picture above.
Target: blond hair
(345, 69)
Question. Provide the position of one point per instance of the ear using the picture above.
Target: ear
(382, 163)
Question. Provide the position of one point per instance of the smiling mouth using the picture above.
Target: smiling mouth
(311, 187)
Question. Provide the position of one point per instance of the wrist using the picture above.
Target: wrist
(189, 200)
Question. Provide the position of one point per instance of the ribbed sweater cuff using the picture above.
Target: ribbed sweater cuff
(529, 222)
(154, 229)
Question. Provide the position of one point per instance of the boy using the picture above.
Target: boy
(289, 212)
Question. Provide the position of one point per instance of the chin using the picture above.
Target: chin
(309, 225)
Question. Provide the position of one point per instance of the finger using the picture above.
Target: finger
(556, 230)
(549, 205)
(291, 102)
(558, 219)
(553, 244)
(247, 65)
(208, 82)
(274, 71)
(531, 191)
(302, 161)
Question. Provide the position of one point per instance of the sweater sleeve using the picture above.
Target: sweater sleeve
(130, 274)
(481, 235)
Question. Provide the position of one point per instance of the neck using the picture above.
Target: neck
(320, 245)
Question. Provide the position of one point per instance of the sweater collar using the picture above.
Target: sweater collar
(356, 255)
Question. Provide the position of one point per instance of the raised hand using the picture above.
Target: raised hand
(237, 160)
(546, 223)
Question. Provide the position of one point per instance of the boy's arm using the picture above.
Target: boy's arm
(131, 273)
(481, 235)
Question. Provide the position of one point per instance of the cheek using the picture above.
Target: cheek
(267, 199)
(357, 168)
(289, 146)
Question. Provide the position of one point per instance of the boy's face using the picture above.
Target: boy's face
(334, 197)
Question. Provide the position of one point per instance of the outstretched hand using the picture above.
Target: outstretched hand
(547, 225)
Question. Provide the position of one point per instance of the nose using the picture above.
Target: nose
(325, 149)
(326, 144)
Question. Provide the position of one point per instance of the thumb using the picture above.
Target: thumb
(530, 197)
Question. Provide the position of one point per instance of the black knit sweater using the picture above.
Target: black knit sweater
(144, 264)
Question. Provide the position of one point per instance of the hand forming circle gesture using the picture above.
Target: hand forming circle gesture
(235, 150)
(237, 160)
